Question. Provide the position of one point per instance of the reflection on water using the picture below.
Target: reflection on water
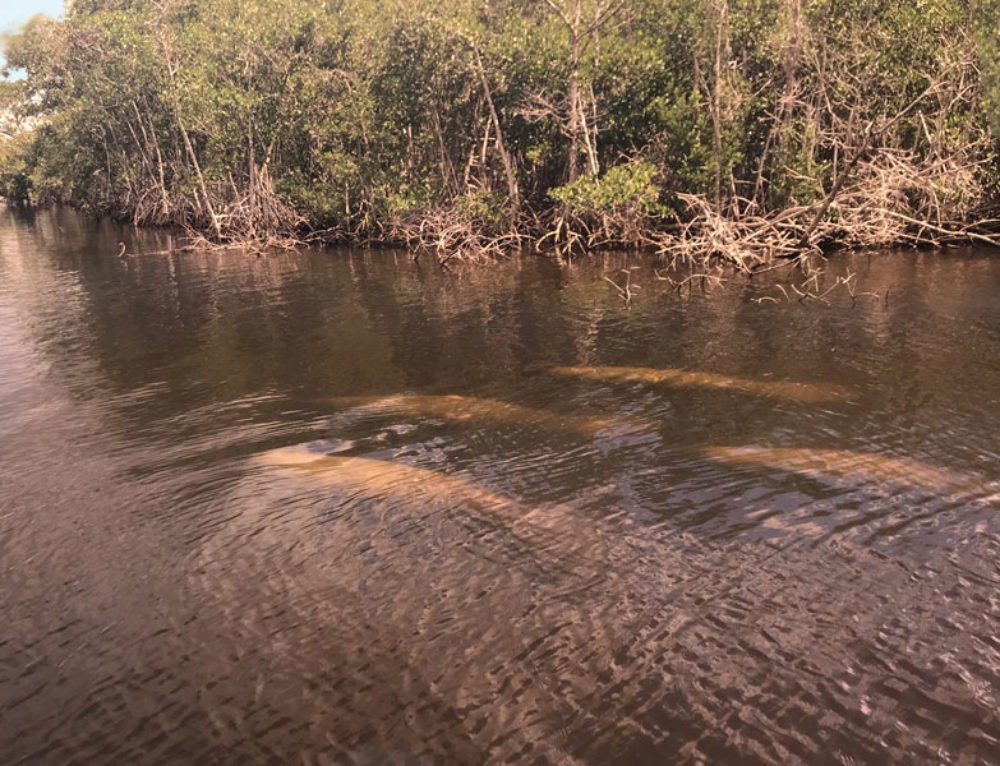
(858, 468)
(338, 507)
(470, 409)
(797, 392)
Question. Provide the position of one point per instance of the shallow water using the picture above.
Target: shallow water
(718, 563)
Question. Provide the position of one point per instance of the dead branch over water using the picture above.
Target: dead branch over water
(448, 232)
(897, 199)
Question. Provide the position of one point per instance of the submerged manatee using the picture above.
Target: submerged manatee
(403, 627)
(419, 487)
(845, 466)
(380, 478)
(812, 393)
(470, 409)
(388, 600)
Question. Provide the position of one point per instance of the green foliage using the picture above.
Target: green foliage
(987, 30)
(624, 189)
(15, 159)
(487, 209)
(354, 113)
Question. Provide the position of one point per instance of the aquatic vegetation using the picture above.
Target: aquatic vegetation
(843, 465)
(811, 393)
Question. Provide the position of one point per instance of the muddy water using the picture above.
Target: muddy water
(338, 507)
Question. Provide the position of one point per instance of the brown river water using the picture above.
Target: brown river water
(337, 507)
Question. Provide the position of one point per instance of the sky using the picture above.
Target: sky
(13, 13)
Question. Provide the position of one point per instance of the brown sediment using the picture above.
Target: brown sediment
(468, 409)
(811, 393)
(843, 465)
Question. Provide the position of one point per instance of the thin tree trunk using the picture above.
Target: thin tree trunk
(574, 98)
(251, 171)
(447, 168)
(150, 139)
(159, 167)
(717, 101)
(192, 155)
(834, 191)
(595, 166)
(201, 178)
(589, 144)
(486, 142)
(467, 173)
(508, 165)
(786, 101)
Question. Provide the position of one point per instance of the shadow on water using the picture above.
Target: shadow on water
(339, 507)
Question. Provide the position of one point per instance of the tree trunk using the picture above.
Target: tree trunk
(192, 155)
(786, 102)
(251, 171)
(723, 13)
(574, 99)
(508, 165)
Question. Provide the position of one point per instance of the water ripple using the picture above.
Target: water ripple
(336, 508)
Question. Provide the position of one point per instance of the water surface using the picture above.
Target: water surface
(340, 507)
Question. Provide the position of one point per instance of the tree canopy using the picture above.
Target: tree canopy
(242, 118)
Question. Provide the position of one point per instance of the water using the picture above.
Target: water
(569, 567)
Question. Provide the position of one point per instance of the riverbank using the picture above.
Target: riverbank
(704, 132)
(850, 217)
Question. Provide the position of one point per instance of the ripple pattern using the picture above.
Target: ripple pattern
(336, 508)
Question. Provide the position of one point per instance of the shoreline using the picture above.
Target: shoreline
(748, 244)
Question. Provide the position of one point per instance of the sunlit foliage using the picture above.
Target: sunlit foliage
(244, 118)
